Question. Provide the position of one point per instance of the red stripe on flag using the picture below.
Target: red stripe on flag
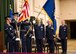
(25, 12)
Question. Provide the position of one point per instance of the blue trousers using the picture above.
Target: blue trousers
(64, 45)
(39, 43)
(28, 44)
(13, 46)
(51, 45)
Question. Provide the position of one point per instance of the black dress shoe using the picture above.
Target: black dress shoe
(63, 53)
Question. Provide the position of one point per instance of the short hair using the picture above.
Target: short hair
(7, 17)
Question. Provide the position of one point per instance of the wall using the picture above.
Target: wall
(64, 9)
(57, 14)
(4, 11)
(68, 9)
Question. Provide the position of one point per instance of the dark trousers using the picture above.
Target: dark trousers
(23, 40)
(39, 43)
(51, 45)
(24, 49)
(28, 44)
(64, 45)
(13, 46)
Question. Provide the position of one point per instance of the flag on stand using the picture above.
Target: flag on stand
(11, 11)
(25, 12)
(55, 25)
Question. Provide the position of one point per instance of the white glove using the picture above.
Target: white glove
(14, 37)
(34, 22)
(17, 39)
(25, 35)
(43, 38)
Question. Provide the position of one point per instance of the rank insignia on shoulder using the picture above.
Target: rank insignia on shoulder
(52, 28)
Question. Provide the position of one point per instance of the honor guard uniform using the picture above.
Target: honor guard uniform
(63, 30)
(14, 20)
(22, 35)
(15, 24)
(50, 36)
(26, 37)
(11, 37)
(39, 35)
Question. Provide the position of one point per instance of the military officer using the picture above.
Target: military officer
(15, 24)
(23, 39)
(11, 37)
(26, 35)
(63, 30)
(14, 20)
(50, 36)
(26, 39)
(39, 35)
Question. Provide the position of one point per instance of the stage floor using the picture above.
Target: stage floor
(71, 46)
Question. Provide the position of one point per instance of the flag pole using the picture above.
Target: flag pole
(37, 18)
(39, 13)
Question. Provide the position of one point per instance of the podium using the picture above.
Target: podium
(1, 41)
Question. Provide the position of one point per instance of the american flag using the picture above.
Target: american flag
(25, 12)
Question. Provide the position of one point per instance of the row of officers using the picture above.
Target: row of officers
(19, 35)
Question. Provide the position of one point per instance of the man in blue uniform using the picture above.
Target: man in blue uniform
(15, 24)
(28, 37)
(63, 36)
(14, 20)
(11, 37)
(39, 35)
(25, 37)
(50, 36)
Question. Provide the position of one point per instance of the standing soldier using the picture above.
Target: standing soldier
(28, 36)
(14, 23)
(50, 36)
(63, 36)
(11, 37)
(14, 20)
(25, 38)
(39, 35)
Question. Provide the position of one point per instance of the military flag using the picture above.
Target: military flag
(49, 8)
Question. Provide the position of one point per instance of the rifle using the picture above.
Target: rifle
(29, 30)
(18, 35)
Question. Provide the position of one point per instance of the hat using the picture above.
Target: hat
(16, 13)
(32, 18)
(25, 20)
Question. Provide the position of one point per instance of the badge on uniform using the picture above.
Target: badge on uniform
(10, 28)
(52, 28)
(64, 28)
(6, 29)
(41, 27)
